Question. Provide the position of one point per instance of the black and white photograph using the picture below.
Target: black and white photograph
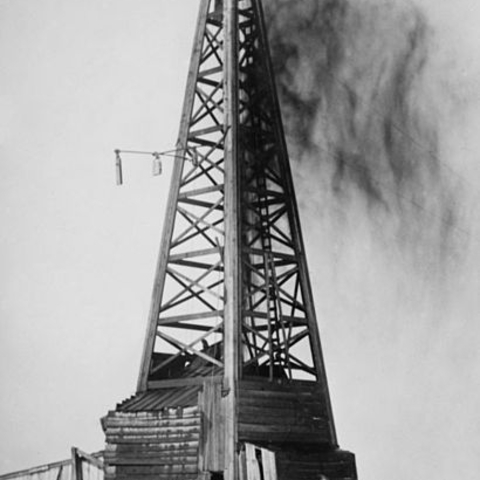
(239, 239)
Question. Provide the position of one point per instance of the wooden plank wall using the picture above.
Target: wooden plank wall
(160, 445)
(301, 465)
(270, 413)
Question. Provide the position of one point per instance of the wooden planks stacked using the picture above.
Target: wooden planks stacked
(304, 465)
(271, 413)
(160, 445)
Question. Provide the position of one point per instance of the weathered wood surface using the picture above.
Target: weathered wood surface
(232, 258)
(213, 428)
(88, 467)
(159, 476)
(251, 463)
(53, 471)
(256, 463)
(269, 464)
(179, 396)
(282, 413)
(299, 465)
(148, 445)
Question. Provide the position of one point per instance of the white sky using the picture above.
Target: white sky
(77, 254)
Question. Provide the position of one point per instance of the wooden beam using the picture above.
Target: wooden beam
(232, 321)
(77, 473)
(172, 200)
(183, 382)
(190, 317)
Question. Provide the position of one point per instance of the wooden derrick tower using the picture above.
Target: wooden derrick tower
(232, 381)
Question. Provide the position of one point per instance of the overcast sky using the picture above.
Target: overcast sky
(77, 253)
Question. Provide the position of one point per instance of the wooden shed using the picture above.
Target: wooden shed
(178, 434)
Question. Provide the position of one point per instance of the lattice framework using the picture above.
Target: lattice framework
(278, 337)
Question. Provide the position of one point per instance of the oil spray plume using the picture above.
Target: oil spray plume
(353, 82)
(367, 91)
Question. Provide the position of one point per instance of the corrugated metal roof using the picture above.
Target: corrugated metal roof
(181, 396)
(162, 398)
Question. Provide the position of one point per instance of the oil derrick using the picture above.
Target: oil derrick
(232, 381)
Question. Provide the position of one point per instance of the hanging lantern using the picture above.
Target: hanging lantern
(157, 165)
(118, 167)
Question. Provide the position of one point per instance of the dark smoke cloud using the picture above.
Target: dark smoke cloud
(353, 80)
(373, 97)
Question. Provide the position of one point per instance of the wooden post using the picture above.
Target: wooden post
(77, 473)
(211, 457)
(232, 238)
(253, 468)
